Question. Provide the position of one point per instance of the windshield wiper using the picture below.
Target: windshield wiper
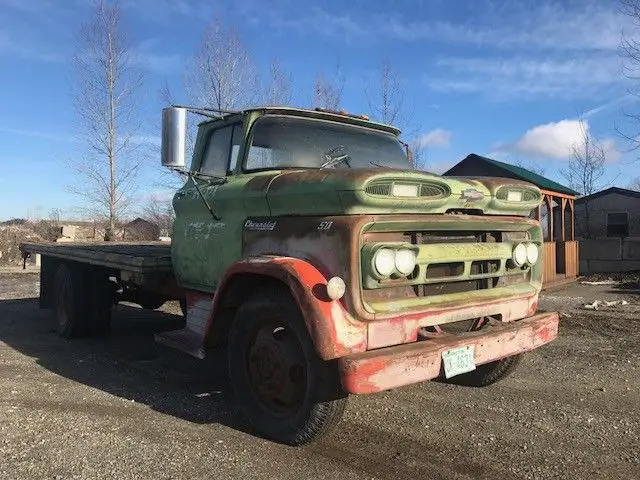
(334, 157)
(207, 176)
(377, 165)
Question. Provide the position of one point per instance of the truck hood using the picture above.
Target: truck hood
(383, 190)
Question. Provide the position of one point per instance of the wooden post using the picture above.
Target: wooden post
(564, 204)
(549, 200)
(573, 220)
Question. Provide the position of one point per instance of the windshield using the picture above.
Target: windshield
(293, 142)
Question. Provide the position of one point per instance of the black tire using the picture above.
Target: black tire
(488, 373)
(69, 302)
(82, 301)
(284, 390)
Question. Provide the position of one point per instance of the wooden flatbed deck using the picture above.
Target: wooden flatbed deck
(141, 258)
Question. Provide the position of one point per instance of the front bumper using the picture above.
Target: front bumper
(385, 368)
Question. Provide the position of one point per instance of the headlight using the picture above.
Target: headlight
(405, 261)
(519, 256)
(532, 253)
(384, 262)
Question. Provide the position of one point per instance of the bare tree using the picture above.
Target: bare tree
(417, 155)
(585, 170)
(278, 89)
(222, 74)
(635, 184)
(586, 167)
(327, 91)
(160, 211)
(166, 94)
(386, 97)
(386, 101)
(630, 48)
(107, 81)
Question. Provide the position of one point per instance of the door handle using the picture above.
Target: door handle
(180, 194)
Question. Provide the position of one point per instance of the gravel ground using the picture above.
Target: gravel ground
(127, 408)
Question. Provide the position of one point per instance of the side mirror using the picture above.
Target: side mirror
(174, 136)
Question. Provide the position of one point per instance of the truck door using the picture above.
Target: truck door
(204, 243)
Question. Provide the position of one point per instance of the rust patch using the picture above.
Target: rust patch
(383, 369)
(334, 332)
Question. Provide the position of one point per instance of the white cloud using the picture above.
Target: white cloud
(438, 138)
(520, 77)
(542, 25)
(555, 141)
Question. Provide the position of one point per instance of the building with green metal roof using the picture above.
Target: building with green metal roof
(477, 165)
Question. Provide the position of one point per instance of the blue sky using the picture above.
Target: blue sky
(505, 79)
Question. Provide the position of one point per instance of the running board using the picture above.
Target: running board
(185, 340)
(191, 338)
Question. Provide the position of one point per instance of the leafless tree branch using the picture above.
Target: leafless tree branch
(105, 97)
(222, 74)
(278, 89)
(327, 91)
(630, 50)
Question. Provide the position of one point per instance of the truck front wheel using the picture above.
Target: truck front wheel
(283, 388)
(485, 375)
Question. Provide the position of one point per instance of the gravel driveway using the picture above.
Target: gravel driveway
(127, 408)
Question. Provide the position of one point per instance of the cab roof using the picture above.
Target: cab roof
(321, 114)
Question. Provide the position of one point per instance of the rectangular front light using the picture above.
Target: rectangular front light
(404, 190)
(514, 196)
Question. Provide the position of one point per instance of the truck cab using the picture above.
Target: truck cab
(308, 248)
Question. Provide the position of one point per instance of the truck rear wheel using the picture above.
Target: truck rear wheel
(283, 388)
(82, 301)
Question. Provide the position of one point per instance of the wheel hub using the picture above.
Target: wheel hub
(277, 369)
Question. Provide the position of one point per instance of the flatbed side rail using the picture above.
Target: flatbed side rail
(142, 258)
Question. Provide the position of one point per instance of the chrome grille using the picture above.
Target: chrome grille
(379, 189)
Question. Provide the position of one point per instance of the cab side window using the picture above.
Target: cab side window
(216, 156)
(221, 154)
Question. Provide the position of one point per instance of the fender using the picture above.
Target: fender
(334, 332)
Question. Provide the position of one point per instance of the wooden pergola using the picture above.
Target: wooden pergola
(556, 214)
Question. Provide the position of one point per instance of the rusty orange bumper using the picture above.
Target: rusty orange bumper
(391, 367)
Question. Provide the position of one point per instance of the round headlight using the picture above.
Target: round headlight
(520, 255)
(384, 262)
(532, 253)
(405, 261)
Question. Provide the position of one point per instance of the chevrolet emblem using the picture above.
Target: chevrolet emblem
(471, 195)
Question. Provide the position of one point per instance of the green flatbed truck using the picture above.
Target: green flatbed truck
(306, 247)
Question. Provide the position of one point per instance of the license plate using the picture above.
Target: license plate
(458, 361)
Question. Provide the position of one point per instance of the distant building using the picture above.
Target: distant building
(141, 230)
(556, 214)
(608, 223)
(614, 212)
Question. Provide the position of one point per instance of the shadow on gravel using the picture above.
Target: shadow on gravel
(128, 363)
